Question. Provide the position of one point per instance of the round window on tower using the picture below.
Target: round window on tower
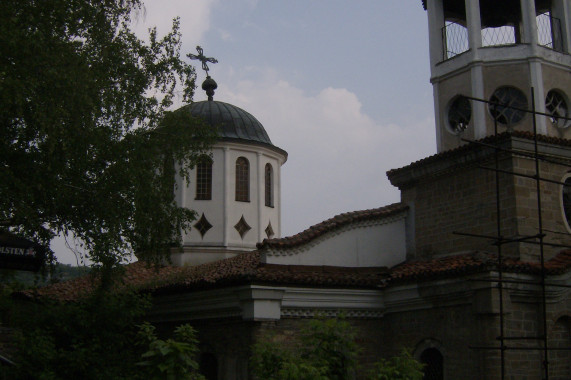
(566, 200)
(556, 106)
(459, 114)
(507, 105)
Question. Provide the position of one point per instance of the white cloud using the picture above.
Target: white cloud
(194, 17)
(338, 155)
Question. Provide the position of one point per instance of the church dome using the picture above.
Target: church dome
(232, 123)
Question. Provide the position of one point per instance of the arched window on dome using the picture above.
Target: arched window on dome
(204, 179)
(242, 180)
(269, 182)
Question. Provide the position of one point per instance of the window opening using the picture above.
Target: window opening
(433, 361)
(549, 33)
(508, 105)
(566, 200)
(454, 32)
(204, 180)
(209, 366)
(455, 39)
(459, 114)
(556, 106)
(501, 22)
(242, 180)
(269, 182)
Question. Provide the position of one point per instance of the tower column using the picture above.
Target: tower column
(227, 190)
(436, 39)
(261, 194)
(479, 114)
(562, 9)
(474, 25)
(535, 71)
(437, 117)
(529, 23)
(278, 198)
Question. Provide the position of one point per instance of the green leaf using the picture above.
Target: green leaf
(87, 145)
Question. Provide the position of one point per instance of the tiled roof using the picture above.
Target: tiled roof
(246, 269)
(487, 140)
(457, 265)
(332, 224)
(137, 275)
(439, 267)
(242, 269)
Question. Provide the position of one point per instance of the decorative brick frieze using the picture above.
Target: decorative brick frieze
(331, 313)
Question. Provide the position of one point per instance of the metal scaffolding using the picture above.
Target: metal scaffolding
(537, 238)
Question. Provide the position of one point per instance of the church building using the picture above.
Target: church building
(471, 270)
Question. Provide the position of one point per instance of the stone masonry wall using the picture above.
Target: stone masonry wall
(551, 206)
(465, 331)
(462, 324)
(464, 200)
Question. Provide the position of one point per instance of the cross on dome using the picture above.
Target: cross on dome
(202, 58)
(209, 85)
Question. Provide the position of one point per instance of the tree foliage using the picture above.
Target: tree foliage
(400, 367)
(330, 343)
(87, 147)
(98, 337)
(171, 359)
(325, 350)
(270, 361)
(95, 338)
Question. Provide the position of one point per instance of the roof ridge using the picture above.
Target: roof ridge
(331, 224)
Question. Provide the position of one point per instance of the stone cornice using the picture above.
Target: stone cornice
(470, 155)
(256, 302)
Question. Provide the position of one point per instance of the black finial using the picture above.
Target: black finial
(209, 85)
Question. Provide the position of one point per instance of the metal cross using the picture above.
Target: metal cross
(202, 59)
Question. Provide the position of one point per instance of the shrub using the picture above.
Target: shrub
(400, 367)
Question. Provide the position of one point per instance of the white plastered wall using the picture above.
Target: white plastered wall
(380, 243)
(223, 212)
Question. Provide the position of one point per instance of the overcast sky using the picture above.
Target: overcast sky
(342, 86)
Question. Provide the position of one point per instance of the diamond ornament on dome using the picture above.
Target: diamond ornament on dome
(242, 227)
(269, 230)
(202, 225)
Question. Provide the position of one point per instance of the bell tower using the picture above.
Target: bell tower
(499, 51)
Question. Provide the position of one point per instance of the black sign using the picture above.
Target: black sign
(20, 254)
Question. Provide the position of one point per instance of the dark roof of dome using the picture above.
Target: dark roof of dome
(233, 123)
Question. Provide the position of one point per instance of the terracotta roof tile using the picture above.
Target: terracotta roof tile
(452, 266)
(246, 268)
(137, 275)
(332, 224)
